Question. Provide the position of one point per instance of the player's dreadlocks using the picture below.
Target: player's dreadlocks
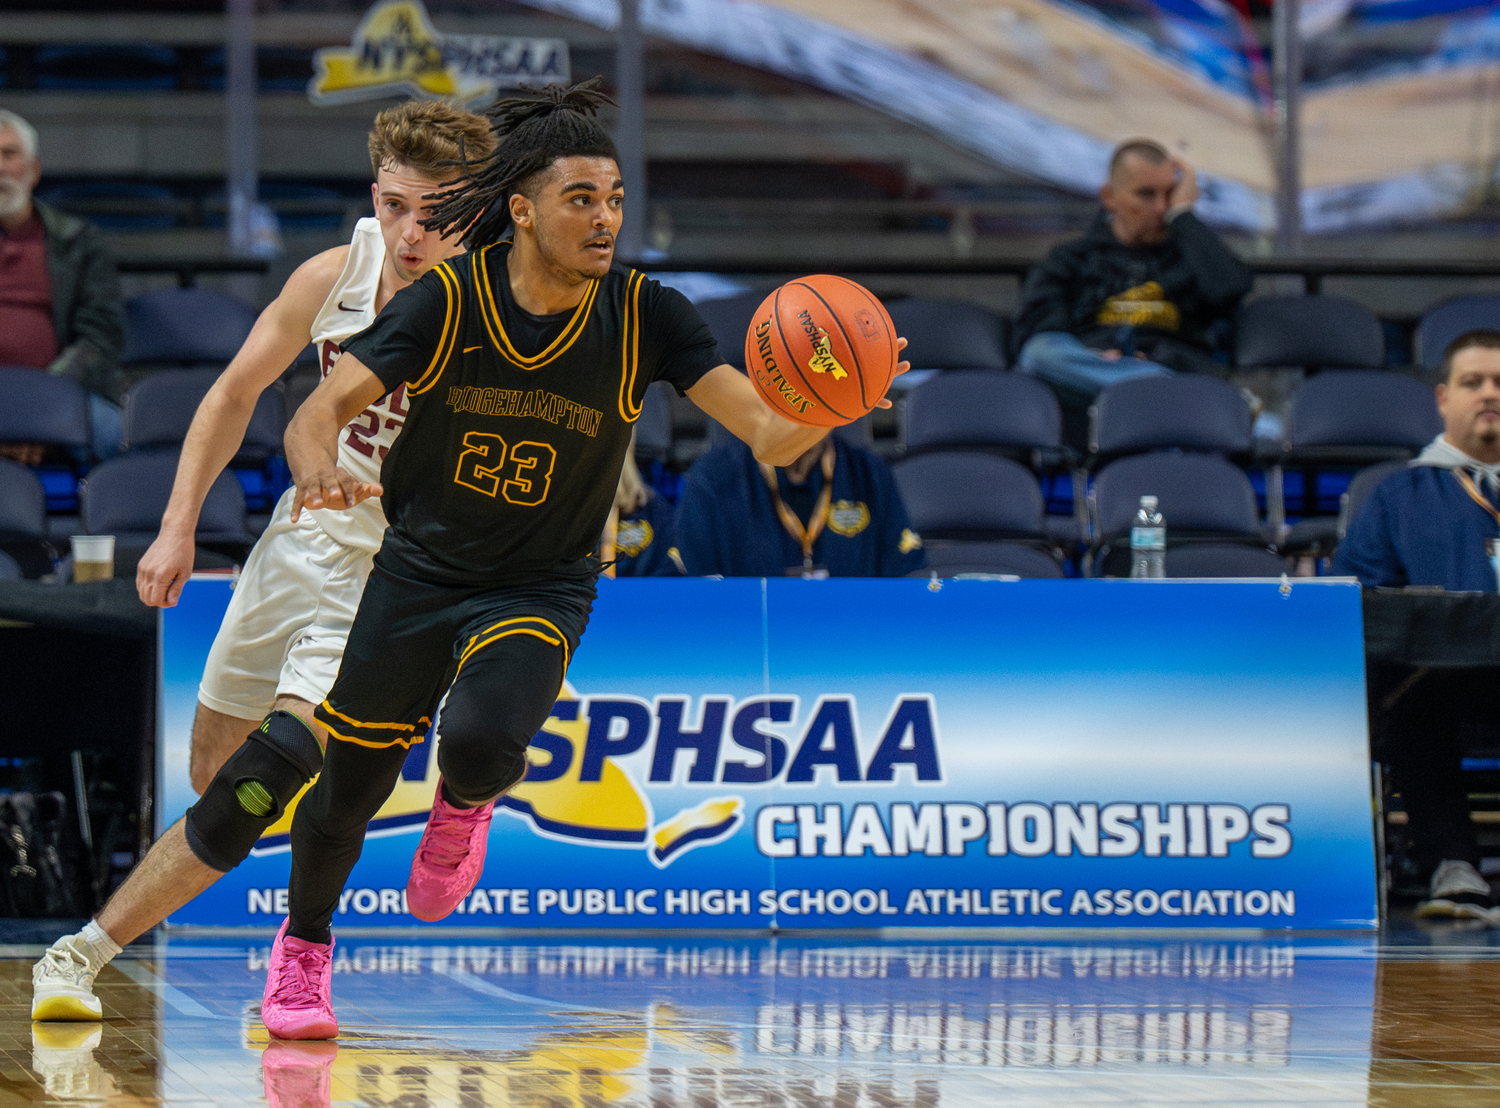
(530, 134)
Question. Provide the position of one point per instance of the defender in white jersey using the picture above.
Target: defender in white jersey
(284, 632)
(279, 646)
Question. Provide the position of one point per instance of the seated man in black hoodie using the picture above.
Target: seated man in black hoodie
(1139, 293)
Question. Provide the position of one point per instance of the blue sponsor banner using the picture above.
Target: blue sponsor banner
(855, 753)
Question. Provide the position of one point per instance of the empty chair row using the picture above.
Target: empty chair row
(1353, 416)
(975, 509)
(124, 497)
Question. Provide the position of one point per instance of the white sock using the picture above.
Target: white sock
(104, 948)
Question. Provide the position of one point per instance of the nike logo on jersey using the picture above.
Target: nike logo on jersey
(344, 309)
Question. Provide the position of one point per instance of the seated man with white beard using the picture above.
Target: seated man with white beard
(59, 294)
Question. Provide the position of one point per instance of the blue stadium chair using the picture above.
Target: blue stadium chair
(947, 334)
(1005, 413)
(160, 407)
(959, 559)
(40, 408)
(10, 569)
(23, 521)
(964, 495)
(1341, 422)
(1220, 559)
(1443, 323)
(1009, 414)
(975, 500)
(1203, 498)
(126, 497)
(653, 431)
(184, 327)
(1184, 412)
(729, 318)
(1308, 332)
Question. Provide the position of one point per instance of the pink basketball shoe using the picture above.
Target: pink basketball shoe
(449, 859)
(298, 1003)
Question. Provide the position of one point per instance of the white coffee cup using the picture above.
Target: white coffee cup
(93, 557)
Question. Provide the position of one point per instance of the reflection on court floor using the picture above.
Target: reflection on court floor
(763, 1022)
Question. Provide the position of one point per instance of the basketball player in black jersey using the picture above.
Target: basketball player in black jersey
(525, 364)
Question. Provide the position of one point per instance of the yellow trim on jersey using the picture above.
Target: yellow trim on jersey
(489, 311)
(630, 348)
(475, 643)
(448, 338)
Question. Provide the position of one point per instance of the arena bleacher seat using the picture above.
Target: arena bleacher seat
(1205, 499)
(1311, 333)
(126, 497)
(947, 334)
(1007, 559)
(729, 318)
(1444, 322)
(1184, 412)
(1339, 423)
(653, 430)
(1000, 413)
(23, 522)
(970, 506)
(54, 411)
(179, 328)
(159, 409)
(1009, 414)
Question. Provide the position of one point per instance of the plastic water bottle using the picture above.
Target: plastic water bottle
(1148, 541)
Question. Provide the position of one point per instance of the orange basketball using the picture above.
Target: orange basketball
(821, 350)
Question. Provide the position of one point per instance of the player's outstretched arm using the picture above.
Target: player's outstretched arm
(312, 446)
(728, 396)
(218, 426)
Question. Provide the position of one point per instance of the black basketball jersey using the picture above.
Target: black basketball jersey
(511, 452)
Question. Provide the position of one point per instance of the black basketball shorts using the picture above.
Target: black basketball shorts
(410, 637)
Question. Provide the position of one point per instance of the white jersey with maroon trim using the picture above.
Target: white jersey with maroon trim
(363, 444)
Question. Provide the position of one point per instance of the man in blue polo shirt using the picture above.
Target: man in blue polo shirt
(1428, 525)
(834, 512)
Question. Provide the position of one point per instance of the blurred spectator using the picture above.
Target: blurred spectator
(1428, 525)
(1139, 293)
(641, 526)
(59, 294)
(833, 512)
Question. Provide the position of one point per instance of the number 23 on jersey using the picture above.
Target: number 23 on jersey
(522, 473)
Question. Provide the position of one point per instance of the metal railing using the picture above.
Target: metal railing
(1313, 271)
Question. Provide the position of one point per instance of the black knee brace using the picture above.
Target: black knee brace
(252, 790)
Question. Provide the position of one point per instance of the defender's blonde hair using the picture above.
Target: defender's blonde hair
(432, 137)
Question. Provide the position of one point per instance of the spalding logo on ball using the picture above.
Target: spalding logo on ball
(821, 350)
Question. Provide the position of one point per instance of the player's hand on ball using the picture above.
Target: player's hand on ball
(334, 489)
(901, 367)
(164, 569)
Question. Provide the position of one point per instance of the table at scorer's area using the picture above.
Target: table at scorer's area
(895, 754)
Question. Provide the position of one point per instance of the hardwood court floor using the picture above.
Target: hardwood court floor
(1410, 1018)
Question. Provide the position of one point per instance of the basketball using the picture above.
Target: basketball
(821, 350)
